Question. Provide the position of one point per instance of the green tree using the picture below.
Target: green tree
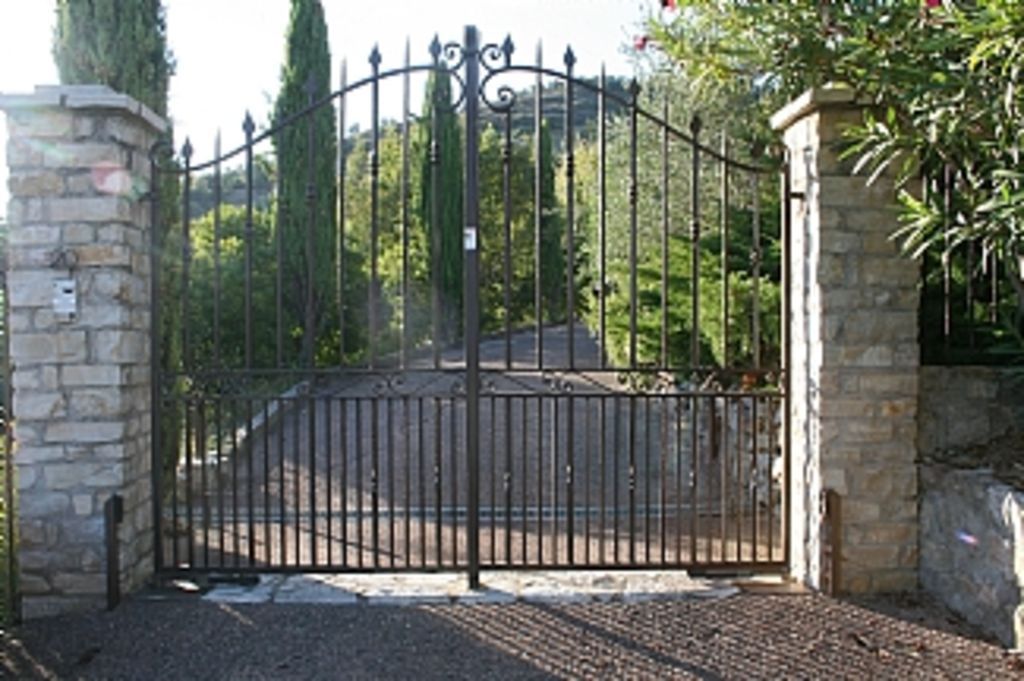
(308, 218)
(656, 91)
(203, 291)
(446, 149)
(945, 81)
(493, 311)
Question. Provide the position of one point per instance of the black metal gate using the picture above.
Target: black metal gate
(571, 409)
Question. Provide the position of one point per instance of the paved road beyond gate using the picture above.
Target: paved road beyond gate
(560, 413)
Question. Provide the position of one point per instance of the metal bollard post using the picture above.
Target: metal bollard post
(113, 514)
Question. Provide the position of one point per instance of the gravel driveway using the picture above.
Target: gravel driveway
(749, 636)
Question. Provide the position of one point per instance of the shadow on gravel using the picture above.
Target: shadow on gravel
(189, 639)
(743, 637)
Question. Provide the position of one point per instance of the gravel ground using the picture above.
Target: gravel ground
(746, 636)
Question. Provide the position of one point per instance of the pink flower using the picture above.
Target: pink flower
(931, 4)
(640, 42)
(668, 4)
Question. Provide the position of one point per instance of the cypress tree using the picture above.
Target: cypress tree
(307, 198)
(437, 102)
(116, 43)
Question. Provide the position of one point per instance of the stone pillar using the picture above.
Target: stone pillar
(78, 212)
(854, 345)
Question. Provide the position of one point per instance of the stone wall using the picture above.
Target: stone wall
(968, 406)
(972, 548)
(79, 172)
(854, 357)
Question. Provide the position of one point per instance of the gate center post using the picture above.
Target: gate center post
(472, 302)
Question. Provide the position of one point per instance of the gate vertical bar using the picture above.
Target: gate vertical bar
(787, 229)
(969, 293)
(570, 237)
(216, 252)
(755, 284)
(155, 406)
(10, 558)
(472, 312)
(375, 60)
(665, 225)
(435, 215)
(279, 270)
(725, 247)
(248, 126)
(341, 215)
(948, 178)
(664, 233)
(203, 499)
(374, 205)
(405, 213)
(634, 90)
(186, 153)
(695, 125)
(506, 200)
(602, 247)
(538, 209)
(570, 303)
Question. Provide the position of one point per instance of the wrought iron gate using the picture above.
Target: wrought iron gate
(569, 421)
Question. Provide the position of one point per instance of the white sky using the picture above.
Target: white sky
(229, 52)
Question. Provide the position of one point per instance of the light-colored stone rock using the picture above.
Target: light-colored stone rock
(29, 454)
(64, 347)
(972, 544)
(84, 431)
(42, 123)
(39, 405)
(98, 403)
(82, 504)
(74, 375)
(35, 378)
(30, 288)
(119, 347)
(109, 255)
(26, 476)
(31, 584)
(22, 153)
(77, 475)
(37, 183)
(81, 582)
(78, 234)
(43, 505)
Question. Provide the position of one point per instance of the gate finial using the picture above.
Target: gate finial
(508, 48)
(309, 87)
(695, 125)
(570, 57)
(435, 49)
(247, 125)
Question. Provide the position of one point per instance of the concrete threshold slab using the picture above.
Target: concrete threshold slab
(496, 587)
